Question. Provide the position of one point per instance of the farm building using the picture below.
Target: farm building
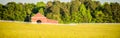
(39, 18)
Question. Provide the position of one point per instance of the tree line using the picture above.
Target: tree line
(76, 11)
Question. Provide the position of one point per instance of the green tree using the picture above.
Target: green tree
(41, 10)
(74, 6)
(1, 11)
(28, 10)
(47, 8)
(56, 13)
(115, 11)
(108, 12)
(74, 11)
(99, 16)
(64, 11)
(84, 14)
(40, 4)
(40, 7)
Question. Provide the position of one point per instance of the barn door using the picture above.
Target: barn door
(38, 21)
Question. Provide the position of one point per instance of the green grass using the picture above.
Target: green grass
(27, 30)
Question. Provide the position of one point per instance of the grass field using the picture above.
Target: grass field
(27, 30)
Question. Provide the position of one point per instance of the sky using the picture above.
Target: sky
(102, 1)
(35, 1)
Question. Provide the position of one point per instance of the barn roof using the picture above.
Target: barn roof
(41, 17)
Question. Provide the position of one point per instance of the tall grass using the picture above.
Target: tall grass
(27, 30)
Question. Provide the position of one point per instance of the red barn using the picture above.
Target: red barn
(38, 18)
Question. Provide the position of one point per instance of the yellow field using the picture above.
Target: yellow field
(27, 30)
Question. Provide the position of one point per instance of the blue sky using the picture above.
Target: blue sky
(34, 1)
